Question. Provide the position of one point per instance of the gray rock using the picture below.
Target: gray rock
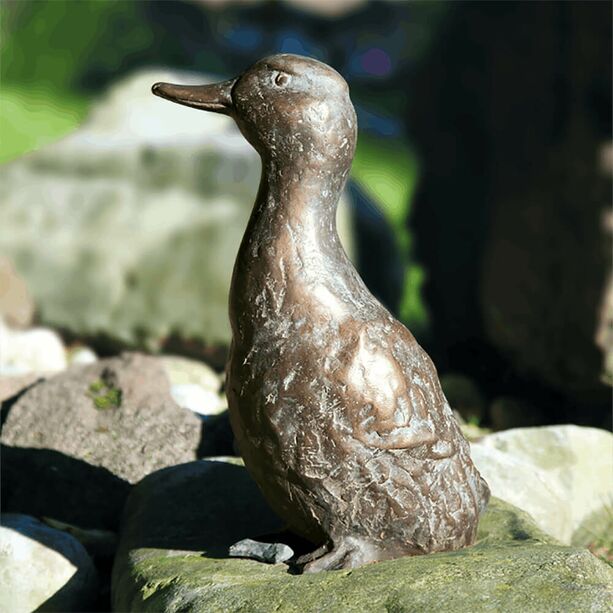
(82, 355)
(12, 385)
(36, 350)
(42, 569)
(195, 385)
(181, 520)
(183, 371)
(89, 432)
(198, 399)
(471, 431)
(559, 474)
(116, 413)
(520, 483)
(578, 459)
(269, 553)
(145, 205)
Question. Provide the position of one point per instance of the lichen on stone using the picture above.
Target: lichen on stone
(104, 395)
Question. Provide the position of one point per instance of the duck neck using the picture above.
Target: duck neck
(291, 236)
(297, 202)
(304, 195)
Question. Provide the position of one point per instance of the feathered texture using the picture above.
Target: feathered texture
(337, 410)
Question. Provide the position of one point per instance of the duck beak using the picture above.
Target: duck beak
(216, 97)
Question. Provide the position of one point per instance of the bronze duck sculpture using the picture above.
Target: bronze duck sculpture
(338, 412)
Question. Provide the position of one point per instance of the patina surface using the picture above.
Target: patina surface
(338, 412)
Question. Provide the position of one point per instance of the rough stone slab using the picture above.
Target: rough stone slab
(73, 443)
(179, 522)
(139, 431)
(524, 485)
(43, 569)
(270, 553)
(13, 385)
(559, 474)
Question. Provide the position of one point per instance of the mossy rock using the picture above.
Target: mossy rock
(596, 533)
(179, 522)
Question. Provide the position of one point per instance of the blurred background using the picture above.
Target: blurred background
(478, 209)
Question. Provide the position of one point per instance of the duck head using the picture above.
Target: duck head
(294, 111)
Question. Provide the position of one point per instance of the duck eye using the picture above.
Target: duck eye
(281, 79)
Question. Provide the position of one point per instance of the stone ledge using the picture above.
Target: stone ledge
(179, 522)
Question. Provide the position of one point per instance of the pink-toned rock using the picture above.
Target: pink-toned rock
(11, 386)
(73, 444)
(116, 413)
(16, 304)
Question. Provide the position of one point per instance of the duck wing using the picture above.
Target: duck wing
(393, 394)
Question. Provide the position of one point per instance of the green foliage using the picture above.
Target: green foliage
(31, 117)
(387, 171)
(104, 395)
(56, 43)
(413, 309)
(48, 51)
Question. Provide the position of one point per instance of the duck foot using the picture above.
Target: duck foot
(349, 552)
(312, 555)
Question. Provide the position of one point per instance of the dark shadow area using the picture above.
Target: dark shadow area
(511, 109)
(46, 483)
(105, 347)
(215, 356)
(57, 602)
(217, 438)
(221, 506)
